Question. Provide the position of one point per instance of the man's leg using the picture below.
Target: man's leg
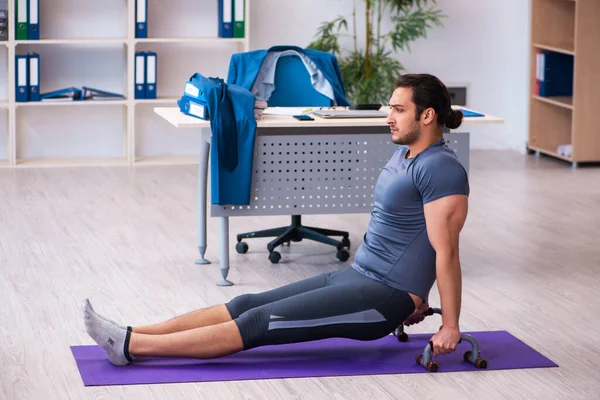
(170, 337)
(195, 319)
(226, 312)
(352, 306)
(223, 312)
(205, 342)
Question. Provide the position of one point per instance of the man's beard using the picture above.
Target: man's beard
(413, 134)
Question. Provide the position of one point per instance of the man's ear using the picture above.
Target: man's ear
(428, 116)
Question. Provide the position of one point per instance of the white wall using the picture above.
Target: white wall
(476, 48)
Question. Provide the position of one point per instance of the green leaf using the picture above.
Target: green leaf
(410, 20)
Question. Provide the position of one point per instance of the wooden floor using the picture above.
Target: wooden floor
(126, 239)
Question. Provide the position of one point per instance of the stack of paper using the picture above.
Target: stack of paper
(565, 150)
(259, 107)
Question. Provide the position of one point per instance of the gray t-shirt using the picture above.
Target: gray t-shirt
(396, 249)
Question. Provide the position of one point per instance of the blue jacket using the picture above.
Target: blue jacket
(244, 67)
(233, 129)
(231, 184)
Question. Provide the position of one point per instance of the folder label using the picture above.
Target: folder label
(33, 12)
(239, 10)
(33, 71)
(191, 90)
(151, 69)
(22, 78)
(141, 11)
(197, 110)
(227, 10)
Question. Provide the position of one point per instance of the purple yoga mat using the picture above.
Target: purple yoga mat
(329, 357)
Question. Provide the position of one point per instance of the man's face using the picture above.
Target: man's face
(405, 130)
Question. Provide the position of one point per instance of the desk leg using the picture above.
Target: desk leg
(202, 189)
(224, 252)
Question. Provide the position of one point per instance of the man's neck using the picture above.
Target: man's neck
(415, 148)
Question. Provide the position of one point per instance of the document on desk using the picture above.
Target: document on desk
(286, 110)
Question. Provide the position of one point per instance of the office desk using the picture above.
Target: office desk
(324, 166)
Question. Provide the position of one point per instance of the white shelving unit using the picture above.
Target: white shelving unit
(93, 44)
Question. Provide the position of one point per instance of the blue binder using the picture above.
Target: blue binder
(556, 71)
(34, 20)
(467, 113)
(193, 107)
(151, 74)
(67, 94)
(225, 18)
(140, 75)
(193, 91)
(95, 94)
(141, 17)
(21, 78)
(34, 76)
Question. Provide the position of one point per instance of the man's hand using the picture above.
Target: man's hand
(417, 316)
(445, 341)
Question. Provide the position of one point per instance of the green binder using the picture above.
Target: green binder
(239, 13)
(22, 19)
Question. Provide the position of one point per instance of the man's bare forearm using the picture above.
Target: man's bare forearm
(449, 282)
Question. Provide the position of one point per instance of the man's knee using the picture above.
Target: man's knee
(253, 325)
(240, 304)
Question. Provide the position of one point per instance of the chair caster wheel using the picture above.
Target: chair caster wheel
(274, 257)
(241, 247)
(346, 243)
(479, 362)
(342, 255)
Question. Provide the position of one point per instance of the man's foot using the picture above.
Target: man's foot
(111, 338)
(89, 305)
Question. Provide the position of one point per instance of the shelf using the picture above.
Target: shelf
(560, 101)
(190, 40)
(94, 45)
(553, 25)
(72, 41)
(164, 100)
(72, 162)
(549, 152)
(550, 126)
(81, 103)
(167, 160)
(565, 48)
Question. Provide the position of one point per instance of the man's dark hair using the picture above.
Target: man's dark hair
(429, 92)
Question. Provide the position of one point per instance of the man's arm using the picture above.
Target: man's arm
(445, 219)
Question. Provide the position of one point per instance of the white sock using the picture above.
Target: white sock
(89, 304)
(111, 338)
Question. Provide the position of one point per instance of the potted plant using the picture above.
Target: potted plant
(369, 73)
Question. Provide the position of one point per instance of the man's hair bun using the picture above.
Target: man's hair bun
(454, 119)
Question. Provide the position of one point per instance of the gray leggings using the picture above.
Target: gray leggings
(342, 304)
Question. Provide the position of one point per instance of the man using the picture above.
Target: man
(420, 207)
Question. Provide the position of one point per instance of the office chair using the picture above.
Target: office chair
(293, 88)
